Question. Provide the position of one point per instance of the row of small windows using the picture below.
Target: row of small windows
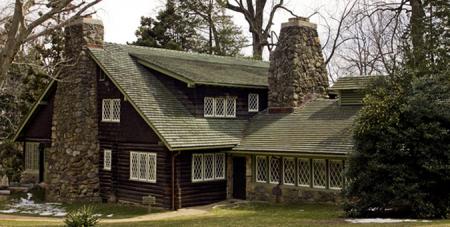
(225, 107)
(208, 167)
(303, 172)
(142, 165)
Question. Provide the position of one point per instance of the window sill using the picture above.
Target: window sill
(207, 181)
(143, 181)
(109, 121)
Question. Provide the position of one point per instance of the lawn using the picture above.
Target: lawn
(257, 214)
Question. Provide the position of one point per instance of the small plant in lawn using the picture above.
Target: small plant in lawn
(82, 217)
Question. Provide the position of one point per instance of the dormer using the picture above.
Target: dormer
(351, 89)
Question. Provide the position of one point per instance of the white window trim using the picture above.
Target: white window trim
(202, 163)
(107, 165)
(329, 173)
(213, 107)
(270, 172)
(111, 109)
(284, 167)
(214, 102)
(250, 95)
(313, 175)
(309, 172)
(265, 170)
(224, 106)
(147, 175)
(227, 99)
(223, 167)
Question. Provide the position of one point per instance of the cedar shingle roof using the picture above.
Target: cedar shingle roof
(321, 127)
(158, 105)
(352, 82)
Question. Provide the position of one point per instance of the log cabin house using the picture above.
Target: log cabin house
(126, 122)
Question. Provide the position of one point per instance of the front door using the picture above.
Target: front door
(239, 181)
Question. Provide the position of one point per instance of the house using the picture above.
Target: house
(124, 122)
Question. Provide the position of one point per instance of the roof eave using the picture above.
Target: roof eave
(288, 153)
(35, 106)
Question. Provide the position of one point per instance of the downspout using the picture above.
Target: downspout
(174, 155)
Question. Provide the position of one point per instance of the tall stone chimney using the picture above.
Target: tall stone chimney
(72, 160)
(297, 72)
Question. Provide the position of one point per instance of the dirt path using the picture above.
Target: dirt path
(185, 212)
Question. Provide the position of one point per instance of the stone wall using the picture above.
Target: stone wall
(297, 71)
(73, 158)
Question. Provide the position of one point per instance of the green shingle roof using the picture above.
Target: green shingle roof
(194, 68)
(352, 82)
(320, 127)
(159, 106)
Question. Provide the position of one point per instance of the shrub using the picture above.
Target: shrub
(82, 217)
(11, 160)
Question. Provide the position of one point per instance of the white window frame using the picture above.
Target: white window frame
(214, 177)
(224, 107)
(314, 175)
(258, 170)
(230, 99)
(308, 173)
(253, 98)
(213, 108)
(284, 170)
(108, 105)
(278, 170)
(341, 162)
(217, 174)
(107, 159)
(150, 170)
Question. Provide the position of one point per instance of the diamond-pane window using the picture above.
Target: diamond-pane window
(304, 172)
(208, 107)
(274, 170)
(253, 102)
(220, 107)
(231, 107)
(143, 166)
(107, 159)
(134, 166)
(319, 173)
(151, 167)
(197, 167)
(115, 115)
(208, 166)
(289, 171)
(31, 156)
(336, 173)
(111, 110)
(220, 166)
(261, 169)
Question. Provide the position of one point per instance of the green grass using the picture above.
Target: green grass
(257, 214)
(118, 210)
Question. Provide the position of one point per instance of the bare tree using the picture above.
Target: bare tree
(26, 20)
(253, 11)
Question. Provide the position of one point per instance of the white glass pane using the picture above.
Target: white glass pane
(336, 168)
(253, 102)
(220, 166)
(304, 172)
(289, 171)
(274, 170)
(134, 165)
(319, 173)
(208, 166)
(261, 169)
(197, 173)
(208, 107)
(231, 107)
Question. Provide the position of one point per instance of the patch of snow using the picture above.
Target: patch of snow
(97, 215)
(382, 220)
(46, 213)
(109, 215)
(10, 211)
(60, 214)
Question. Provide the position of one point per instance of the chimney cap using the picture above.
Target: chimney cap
(299, 22)
(86, 20)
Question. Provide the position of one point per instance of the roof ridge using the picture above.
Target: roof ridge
(192, 53)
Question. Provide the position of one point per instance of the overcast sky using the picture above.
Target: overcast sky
(121, 20)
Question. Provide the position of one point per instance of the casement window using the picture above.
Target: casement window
(31, 156)
(221, 107)
(208, 167)
(111, 110)
(289, 171)
(253, 102)
(274, 170)
(304, 172)
(143, 166)
(319, 173)
(107, 159)
(261, 169)
(336, 174)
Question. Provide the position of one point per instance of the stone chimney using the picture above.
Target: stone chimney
(297, 72)
(72, 160)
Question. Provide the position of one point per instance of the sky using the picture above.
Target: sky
(121, 20)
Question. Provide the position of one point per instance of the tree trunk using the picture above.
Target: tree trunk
(417, 31)
(257, 47)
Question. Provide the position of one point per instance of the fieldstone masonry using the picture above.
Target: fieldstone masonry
(297, 72)
(72, 160)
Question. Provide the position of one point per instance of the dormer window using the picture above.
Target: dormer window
(253, 102)
(111, 110)
(220, 107)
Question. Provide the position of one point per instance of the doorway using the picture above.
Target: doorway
(239, 179)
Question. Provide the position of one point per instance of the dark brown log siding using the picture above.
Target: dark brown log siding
(196, 193)
(39, 127)
(193, 98)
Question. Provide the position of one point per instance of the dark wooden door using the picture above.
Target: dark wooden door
(239, 177)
